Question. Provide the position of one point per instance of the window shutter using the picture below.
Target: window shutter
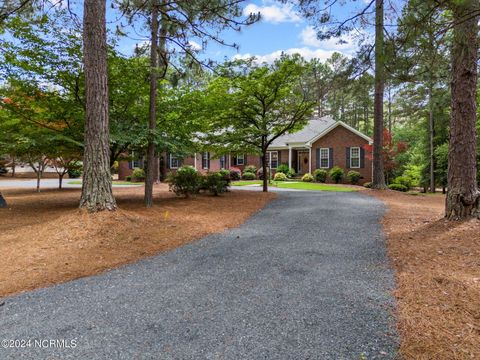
(347, 157)
(362, 157)
(234, 158)
(208, 160)
(330, 157)
(317, 151)
(168, 161)
(279, 160)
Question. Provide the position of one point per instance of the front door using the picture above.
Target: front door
(302, 162)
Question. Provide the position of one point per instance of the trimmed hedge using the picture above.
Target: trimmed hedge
(307, 177)
(320, 175)
(248, 176)
(336, 174)
(354, 177)
(279, 176)
(368, 185)
(398, 187)
(250, 169)
(185, 182)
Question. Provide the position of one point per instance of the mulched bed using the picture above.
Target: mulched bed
(437, 264)
(46, 239)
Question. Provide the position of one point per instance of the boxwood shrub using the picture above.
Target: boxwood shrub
(216, 183)
(248, 176)
(307, 177)
(320, 175)
(280, 176)
(138, 175)
(250, 169)
(235, 174)
(368, 185)
(353, 177)
(398, 187)
(336, 174)
(185, 182)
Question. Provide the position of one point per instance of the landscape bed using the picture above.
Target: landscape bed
(437, 265)
(46, 239)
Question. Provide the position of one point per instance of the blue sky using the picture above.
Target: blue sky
(281, 29)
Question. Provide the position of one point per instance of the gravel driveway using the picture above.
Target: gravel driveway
(305, 278)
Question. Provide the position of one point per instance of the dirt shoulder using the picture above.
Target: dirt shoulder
(437, 265)
(46, 239)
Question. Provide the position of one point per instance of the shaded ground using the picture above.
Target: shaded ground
(305, 278)
(438, 277)
(45, 239)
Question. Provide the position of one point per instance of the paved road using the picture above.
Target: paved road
(305, 278)
(45, 183)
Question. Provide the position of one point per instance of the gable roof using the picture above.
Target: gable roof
(314, 130)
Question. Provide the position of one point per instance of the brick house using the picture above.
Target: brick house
(322, 144)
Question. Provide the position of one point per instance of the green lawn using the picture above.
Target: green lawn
(298, 185)
(79, 182)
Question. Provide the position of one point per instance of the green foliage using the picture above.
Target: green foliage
(320, 175)
(307, 177)
(75, 171)
(403, 180)
(216, 183)
(280, 176)
(283, 168)
(138, 175)
(353, 177)
(128, 178)
(368, 185)
(186, 181)
(336, 174)
(250, 169)
(398, 187)
(248, 176)
(414, 173)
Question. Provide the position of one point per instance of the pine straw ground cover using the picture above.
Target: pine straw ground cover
(46, 239)
(437, 264)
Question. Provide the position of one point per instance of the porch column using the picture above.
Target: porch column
(310, 159)
(195, 161)
(289, 157)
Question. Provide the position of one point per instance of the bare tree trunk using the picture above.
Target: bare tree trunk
(431, 138)
(97, 179)
(3, 202)
(463, 195)
(378, 171)
(265, 171)
(39, 175)
(60, 180)
(152, 115)
(14, 165)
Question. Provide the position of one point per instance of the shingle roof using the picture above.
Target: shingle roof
(314, 127)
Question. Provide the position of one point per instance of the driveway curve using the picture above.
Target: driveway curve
(307, 277)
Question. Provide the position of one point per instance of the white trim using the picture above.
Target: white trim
(289, 157)
(207, 159)
(334, 126)
(243, 160)
(320, 158)
(355, 167)
(270, 159)
(310, 160)
(195, 161)
(170, 161)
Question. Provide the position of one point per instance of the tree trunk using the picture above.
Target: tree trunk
(60, 180)
(265, 171)
(13, 166)
(378, 172)
(97, 179)
(463, 195)
(152, 115)
(431, 138)
(3, 202)
(39, 175)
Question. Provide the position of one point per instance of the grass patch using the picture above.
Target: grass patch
(79, 182)
(297, 185)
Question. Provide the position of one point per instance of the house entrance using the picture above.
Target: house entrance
(302, 163)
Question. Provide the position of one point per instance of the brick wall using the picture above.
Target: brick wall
(338, 139)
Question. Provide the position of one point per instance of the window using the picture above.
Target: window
(240, 159)
(354, 157)
(205, 160)
(222, 162)
(325, 158)
(174, 162)
(272, 159)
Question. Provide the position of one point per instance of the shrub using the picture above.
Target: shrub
(354, 177)
(320, 175)
(398, 187)
(248, 176)
(186, 181)
(75, 171)
(235, 174)
(138, 175)
(307, 177)
(368, 185)
(336, 174)
(260, 174)
(128, 178)
(250, 169)
(403, 180)
(283, 168)
(280, 176)
(215, 183)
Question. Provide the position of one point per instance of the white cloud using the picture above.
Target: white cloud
(305, 52)
(194, 45)
(274, 13)
(346, 43)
